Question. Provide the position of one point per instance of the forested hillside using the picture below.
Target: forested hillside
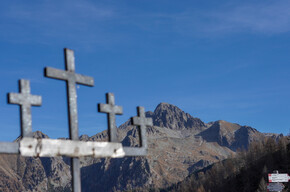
(247, 172)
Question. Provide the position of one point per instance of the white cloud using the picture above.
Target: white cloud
(243, 17)
(262, 18)
(93, 23)
(63, 12)
(47, 22)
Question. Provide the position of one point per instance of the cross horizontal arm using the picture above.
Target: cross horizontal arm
(9, 147)
(56, 147)
(135, 151)
(142, 121)
(14, 98)
(55, 73)
(84, 80)
(35, 100)
(107, 108)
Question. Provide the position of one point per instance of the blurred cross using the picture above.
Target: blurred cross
(25, 100)
(71, 79)
(111, 109)
(141, 121)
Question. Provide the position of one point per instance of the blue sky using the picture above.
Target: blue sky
(215, 60)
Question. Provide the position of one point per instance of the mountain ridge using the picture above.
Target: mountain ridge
(178, 144)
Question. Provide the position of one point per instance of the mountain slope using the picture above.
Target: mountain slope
(231, 135)
(178, 145)
(246, 172)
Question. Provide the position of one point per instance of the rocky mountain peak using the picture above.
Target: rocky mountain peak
(226, 127)
(36, 134)
(39, 135)
(166, 106)
(170, 116)
(222, 132)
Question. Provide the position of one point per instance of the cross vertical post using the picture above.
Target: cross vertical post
(71, 79)
(111, 109)
(25, 100)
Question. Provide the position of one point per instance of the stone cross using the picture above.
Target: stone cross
(25, 100)
(111, 109)
(71, 79)
(141, 122)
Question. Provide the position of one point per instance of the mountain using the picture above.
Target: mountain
(231, 135)
(178, 145)
(170, 116)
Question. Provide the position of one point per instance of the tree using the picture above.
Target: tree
(270, 145)
(262, 186)
(201, 189)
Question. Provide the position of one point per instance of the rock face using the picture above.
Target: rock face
(170, 116)
(178, 144)
(221, 132)
(231, 135)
